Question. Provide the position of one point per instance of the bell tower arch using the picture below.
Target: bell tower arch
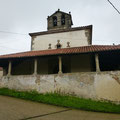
(59, 20)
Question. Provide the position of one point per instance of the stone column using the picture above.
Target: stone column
(60, 65)
(97, 62)
(9, 68)
(35, 67)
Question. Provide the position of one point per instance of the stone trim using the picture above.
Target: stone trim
(61, 30)
(32, 42)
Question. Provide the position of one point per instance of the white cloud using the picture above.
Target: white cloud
(24, 16)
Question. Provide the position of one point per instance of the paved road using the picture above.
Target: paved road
(17, 109)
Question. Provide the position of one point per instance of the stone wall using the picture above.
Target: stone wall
(68, 21)
(103, 85)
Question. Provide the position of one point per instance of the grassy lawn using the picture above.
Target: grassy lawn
(63, 100)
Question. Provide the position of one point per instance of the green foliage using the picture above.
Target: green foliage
(63, 100)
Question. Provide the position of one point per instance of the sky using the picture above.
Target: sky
(18, 18)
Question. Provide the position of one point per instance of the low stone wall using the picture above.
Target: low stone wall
(103, 85)
(1, 73)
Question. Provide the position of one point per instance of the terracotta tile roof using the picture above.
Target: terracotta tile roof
(61, 30)
(64, 51)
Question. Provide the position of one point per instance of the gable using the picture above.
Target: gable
(59, 12)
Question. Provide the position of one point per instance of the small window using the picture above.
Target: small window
(63, 20)
(54, 21)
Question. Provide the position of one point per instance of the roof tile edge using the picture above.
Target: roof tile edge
(61, 30)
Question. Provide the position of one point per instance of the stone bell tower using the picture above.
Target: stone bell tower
(59, 20)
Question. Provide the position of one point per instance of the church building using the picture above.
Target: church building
(64, 56)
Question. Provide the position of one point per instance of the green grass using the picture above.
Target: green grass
(63, 100)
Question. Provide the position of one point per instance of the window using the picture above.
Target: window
(63, 20)
(54, 21)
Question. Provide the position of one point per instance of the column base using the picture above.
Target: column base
(98, 71)
(34, 73)
(8, 75)
(60, 72)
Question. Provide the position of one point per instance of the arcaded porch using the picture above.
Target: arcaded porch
(94, 75)
(89, 62)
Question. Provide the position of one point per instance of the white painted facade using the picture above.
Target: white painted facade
(75, 38)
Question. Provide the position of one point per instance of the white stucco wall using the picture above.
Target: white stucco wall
(76, 38)
(100, 86)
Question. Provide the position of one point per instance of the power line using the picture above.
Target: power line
(114, 6)
(59, 37)
(13, 33)
(9, 48)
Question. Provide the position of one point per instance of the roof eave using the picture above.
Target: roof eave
(61, 30)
